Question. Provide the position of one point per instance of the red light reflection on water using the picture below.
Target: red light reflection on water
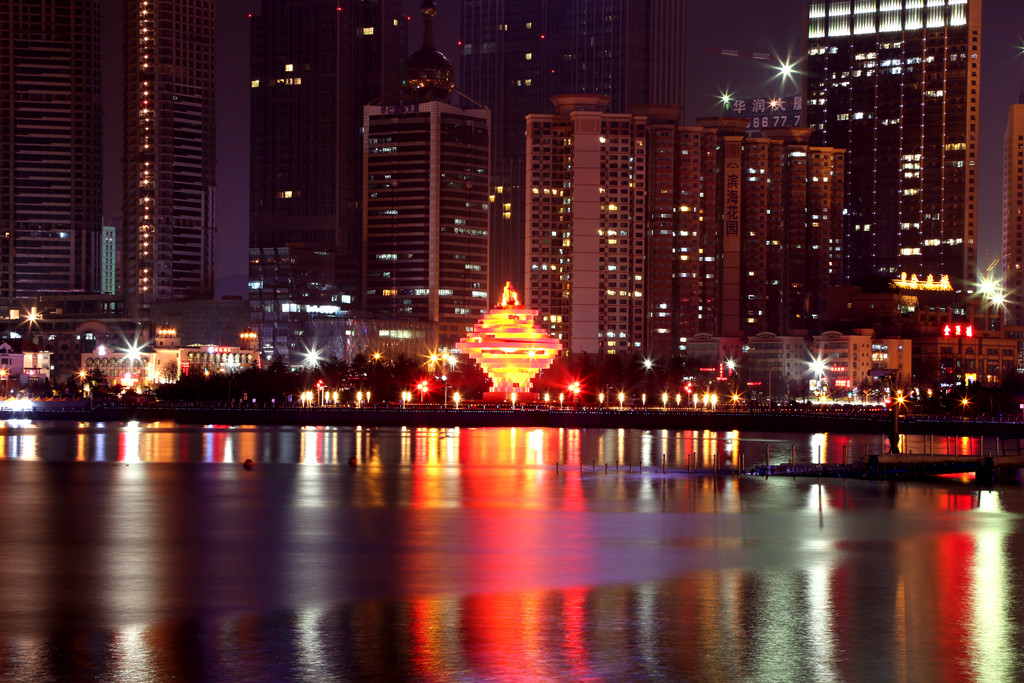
(955, 557)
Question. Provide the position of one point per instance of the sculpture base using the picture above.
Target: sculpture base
(506, 397)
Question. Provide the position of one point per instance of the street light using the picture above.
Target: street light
(423, 386)
(818, 368)
(622, 397)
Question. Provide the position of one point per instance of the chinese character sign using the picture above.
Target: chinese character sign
(770, 112)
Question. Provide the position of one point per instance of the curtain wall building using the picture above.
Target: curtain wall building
(314, 65)
(169, 152)
(516, 55)
(896, 83)
(50, 164)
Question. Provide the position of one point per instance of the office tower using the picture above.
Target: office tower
(517, 54)
(586, 208)
(425, 207)
(314, 65)
(50, 155)
(169, 152)
(896, 83)
(1013, 214)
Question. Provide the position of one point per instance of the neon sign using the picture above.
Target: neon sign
(958, 330)
(929, 284)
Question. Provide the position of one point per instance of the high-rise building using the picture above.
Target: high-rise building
(586, 208)
(644, 233)
(1013, 214)
(896, 84)
(109, 261)
(754, 237)
(50, 154)
(425, 207)
(517, 54)
(169, 152)
(314, 65)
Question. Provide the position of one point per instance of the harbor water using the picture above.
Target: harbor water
(141, 552)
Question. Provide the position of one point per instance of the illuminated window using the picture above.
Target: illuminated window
(289, 67)
(367, 30)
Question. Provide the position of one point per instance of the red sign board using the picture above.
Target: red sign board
(958, 330)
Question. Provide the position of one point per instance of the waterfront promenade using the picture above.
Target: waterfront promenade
(777, 419)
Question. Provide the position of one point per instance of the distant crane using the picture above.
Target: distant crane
(760, 56)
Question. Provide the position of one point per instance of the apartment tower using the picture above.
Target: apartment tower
(517, 54)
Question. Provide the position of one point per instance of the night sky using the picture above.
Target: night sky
(746, 25)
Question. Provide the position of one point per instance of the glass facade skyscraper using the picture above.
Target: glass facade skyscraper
(896, 83)
(50, 156)
(314, 65)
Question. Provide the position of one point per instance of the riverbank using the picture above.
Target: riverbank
(782, 419)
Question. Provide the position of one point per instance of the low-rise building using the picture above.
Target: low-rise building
(22, 363)
(165, 360)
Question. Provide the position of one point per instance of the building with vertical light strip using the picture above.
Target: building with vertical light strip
(517, 54)
(314, 65)
(1013, 214)
(425, 203)
(896, 83)
(169, 152)
(50, 155)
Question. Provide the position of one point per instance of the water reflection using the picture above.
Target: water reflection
(461, 554)
(677, 449)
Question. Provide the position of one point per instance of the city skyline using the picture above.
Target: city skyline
(751, 26)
